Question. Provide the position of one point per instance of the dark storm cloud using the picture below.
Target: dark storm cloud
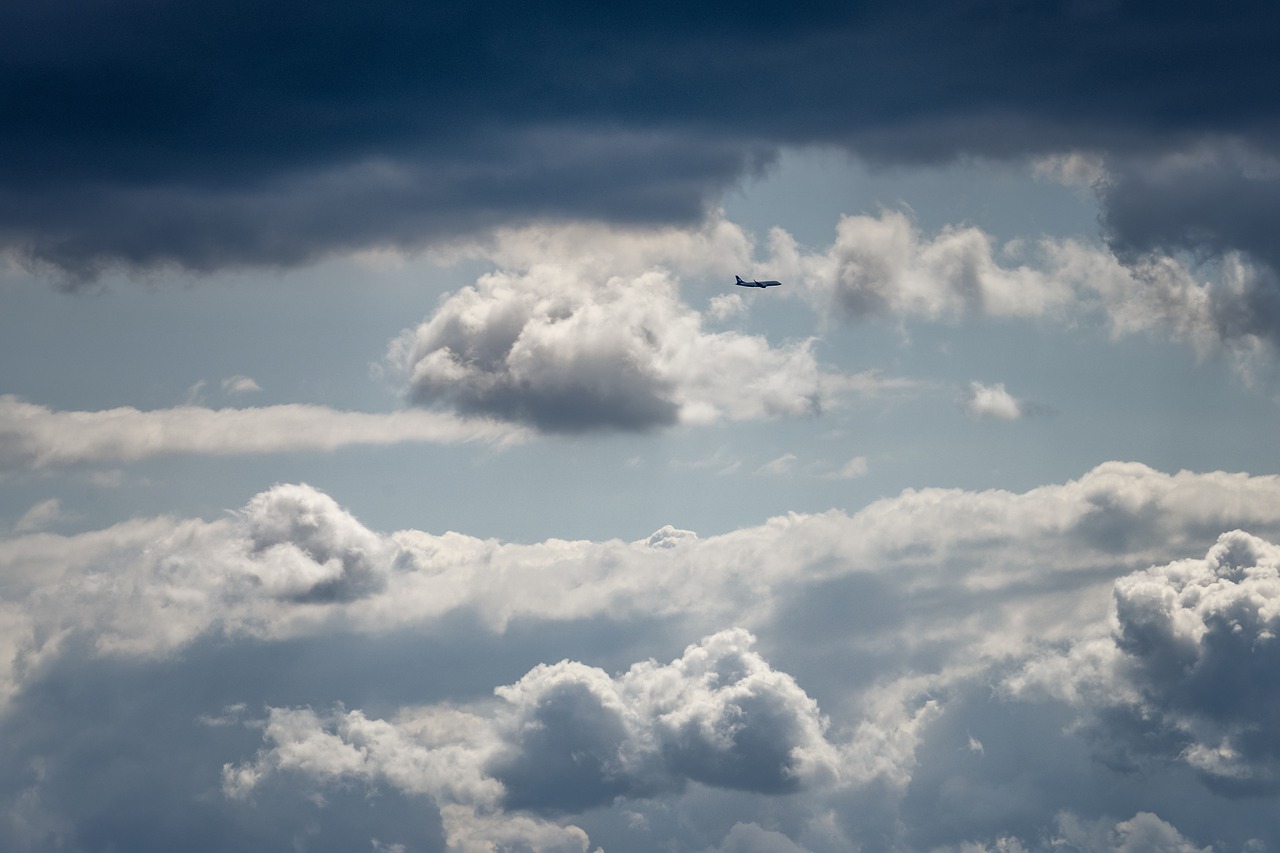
(1218, 203)
(271, 133)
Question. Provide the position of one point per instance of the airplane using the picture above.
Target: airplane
(742, 283)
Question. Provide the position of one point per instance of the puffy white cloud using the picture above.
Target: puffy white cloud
(719, 715)
(991, 401)
(1189, 670)
(35, 436)
(568, 737)
(305, 545)
(894, 620)
(726, 305)
(884, 265)
(150, 587)
(1147, 833)
(293, 562)
(568, 350)
(582, 327)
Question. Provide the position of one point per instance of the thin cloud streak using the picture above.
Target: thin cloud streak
(34, 436)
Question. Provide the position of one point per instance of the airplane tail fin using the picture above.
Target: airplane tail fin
(739, 279)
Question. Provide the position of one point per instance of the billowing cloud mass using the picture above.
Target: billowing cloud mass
(937, 636)
(711, 605)
(884, 266)
(35, 436)
(1189, 670)
(197, 142)
(568, 737)
(567, 341)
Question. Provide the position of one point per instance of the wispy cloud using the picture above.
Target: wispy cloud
(782, 465)
(39, 516)
(34, 436)
(851, 470)
(239, 384)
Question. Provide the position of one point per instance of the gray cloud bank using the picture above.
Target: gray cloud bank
(147, 134)
(1086, 663)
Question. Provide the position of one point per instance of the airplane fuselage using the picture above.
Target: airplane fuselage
(754, 283)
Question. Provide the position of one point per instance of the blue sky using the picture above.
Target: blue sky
(389, 462)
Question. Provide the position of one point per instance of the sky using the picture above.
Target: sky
(388, 461)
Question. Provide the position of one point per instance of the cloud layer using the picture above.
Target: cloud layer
(902, 662)
(35, 436)
(196, 141)
(567, 737)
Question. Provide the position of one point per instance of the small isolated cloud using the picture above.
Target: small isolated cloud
(570, 342)
(784, 464)
(239, 384)
(992, 401)
(851, 470)
(39, 516)
(195, 394)
(34, 436)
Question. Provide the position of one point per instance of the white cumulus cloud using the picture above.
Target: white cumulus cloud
(992, 401)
